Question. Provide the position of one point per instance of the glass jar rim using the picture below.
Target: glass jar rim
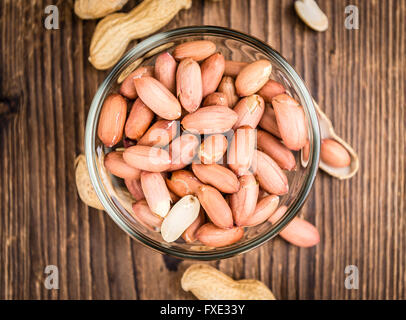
(161, 38)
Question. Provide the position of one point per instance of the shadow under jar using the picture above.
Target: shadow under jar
(234, 46)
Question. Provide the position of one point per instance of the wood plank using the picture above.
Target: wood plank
(47, 85)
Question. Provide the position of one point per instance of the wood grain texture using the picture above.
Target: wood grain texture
(357, 76)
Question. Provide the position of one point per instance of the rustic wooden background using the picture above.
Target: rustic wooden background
(47, 84)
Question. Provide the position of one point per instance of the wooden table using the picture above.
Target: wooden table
(47, 84)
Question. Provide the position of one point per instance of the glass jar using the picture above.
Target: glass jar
(234, 46)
